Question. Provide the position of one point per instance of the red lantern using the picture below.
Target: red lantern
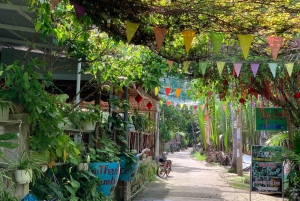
(297, 95)
(242, 100)
(149, 105)
(138, 98)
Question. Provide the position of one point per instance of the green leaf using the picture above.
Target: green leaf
(74, 183)
(58, 152)
(9, 145)
(9, 136)
(1, 153)
(38, 26)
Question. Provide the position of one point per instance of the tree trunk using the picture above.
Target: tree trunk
(234, 140)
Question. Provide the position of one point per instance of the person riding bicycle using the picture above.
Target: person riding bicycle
(171, 148)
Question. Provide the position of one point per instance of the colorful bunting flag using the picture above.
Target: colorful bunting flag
(275, 43)
(217, 39)
(156, 89)
(298, 42)
(273, 67)
(160, 34)
(203, 66)
(181, 105)
(177, 91)
(168, 90)
(188, 36)
(175, 104)
(202, 106)
(170, 63)
(224, 107)
(220, 66)
(289, 67)
(80, 10)
(254, 68)
(237, 68)
(245, 42)
(53, 4)
(131, 28)
(186, 65)
(168, 103)
(195, 107)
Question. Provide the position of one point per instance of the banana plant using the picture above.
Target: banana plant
(8, 145)
(202, 123)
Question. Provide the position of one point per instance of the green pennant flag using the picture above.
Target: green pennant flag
(217, 39)
(203, 66)
(220, 66)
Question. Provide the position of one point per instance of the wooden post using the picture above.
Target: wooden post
(239, 143)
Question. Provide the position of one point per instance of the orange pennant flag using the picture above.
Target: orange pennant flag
(178, 91)
(188, 36)
(275, 44)
(160, 34)
(131, 28)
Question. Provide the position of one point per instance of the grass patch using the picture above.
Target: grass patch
(199, 157)
(237, 182)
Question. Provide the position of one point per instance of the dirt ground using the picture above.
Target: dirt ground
(196, 180)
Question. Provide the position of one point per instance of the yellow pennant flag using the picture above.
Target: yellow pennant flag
(289, 67)
(188, 36)
(156, 89)
(245, 42)
(178, 91)
(131, 28)
(181, 105)
(220, 66)
(186, 65)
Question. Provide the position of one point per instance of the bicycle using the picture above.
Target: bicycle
(164, 168)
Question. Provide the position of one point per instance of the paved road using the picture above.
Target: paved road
(192, 180)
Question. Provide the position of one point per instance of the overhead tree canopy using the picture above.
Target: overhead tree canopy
(262, 18)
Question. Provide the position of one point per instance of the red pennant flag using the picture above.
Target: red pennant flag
(168, 90)
(237, 68)
(160, 34)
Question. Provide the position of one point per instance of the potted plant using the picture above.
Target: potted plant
(89, 116)
(28, 167)
(104, 163)
(5, 107)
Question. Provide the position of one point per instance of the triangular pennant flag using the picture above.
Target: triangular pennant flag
(168, 90)
(273, 67)
(217, 39)
(156, 89)
(188, 36)
(160, 33)
(195, 107)
(245, 42)
(220, 66)
(168, 103)
(53, 4)
(203, 66)
(170, 63)
(237, 68)
(181, 105)
(202, 107)
(186, 65)
(289, 67)
(131, 28)
(175, 104)
(254, 68)
(275, 44)
(256, 95)
(177, 91)
(224, 107)
(80, 10)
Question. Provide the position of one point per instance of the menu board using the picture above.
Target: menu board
(266, 169)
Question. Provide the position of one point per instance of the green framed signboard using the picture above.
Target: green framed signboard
(270, 119)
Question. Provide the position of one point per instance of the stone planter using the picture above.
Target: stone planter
(82, 166)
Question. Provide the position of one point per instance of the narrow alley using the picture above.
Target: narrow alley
(193, 180)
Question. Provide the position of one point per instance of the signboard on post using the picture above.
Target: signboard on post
(270, 119)
(266, 169)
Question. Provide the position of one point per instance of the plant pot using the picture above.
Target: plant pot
(89, 125)
(69, 126)
(127, 173)
(82, 166)
(23, 176)
(108, 173)
(4, 114)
